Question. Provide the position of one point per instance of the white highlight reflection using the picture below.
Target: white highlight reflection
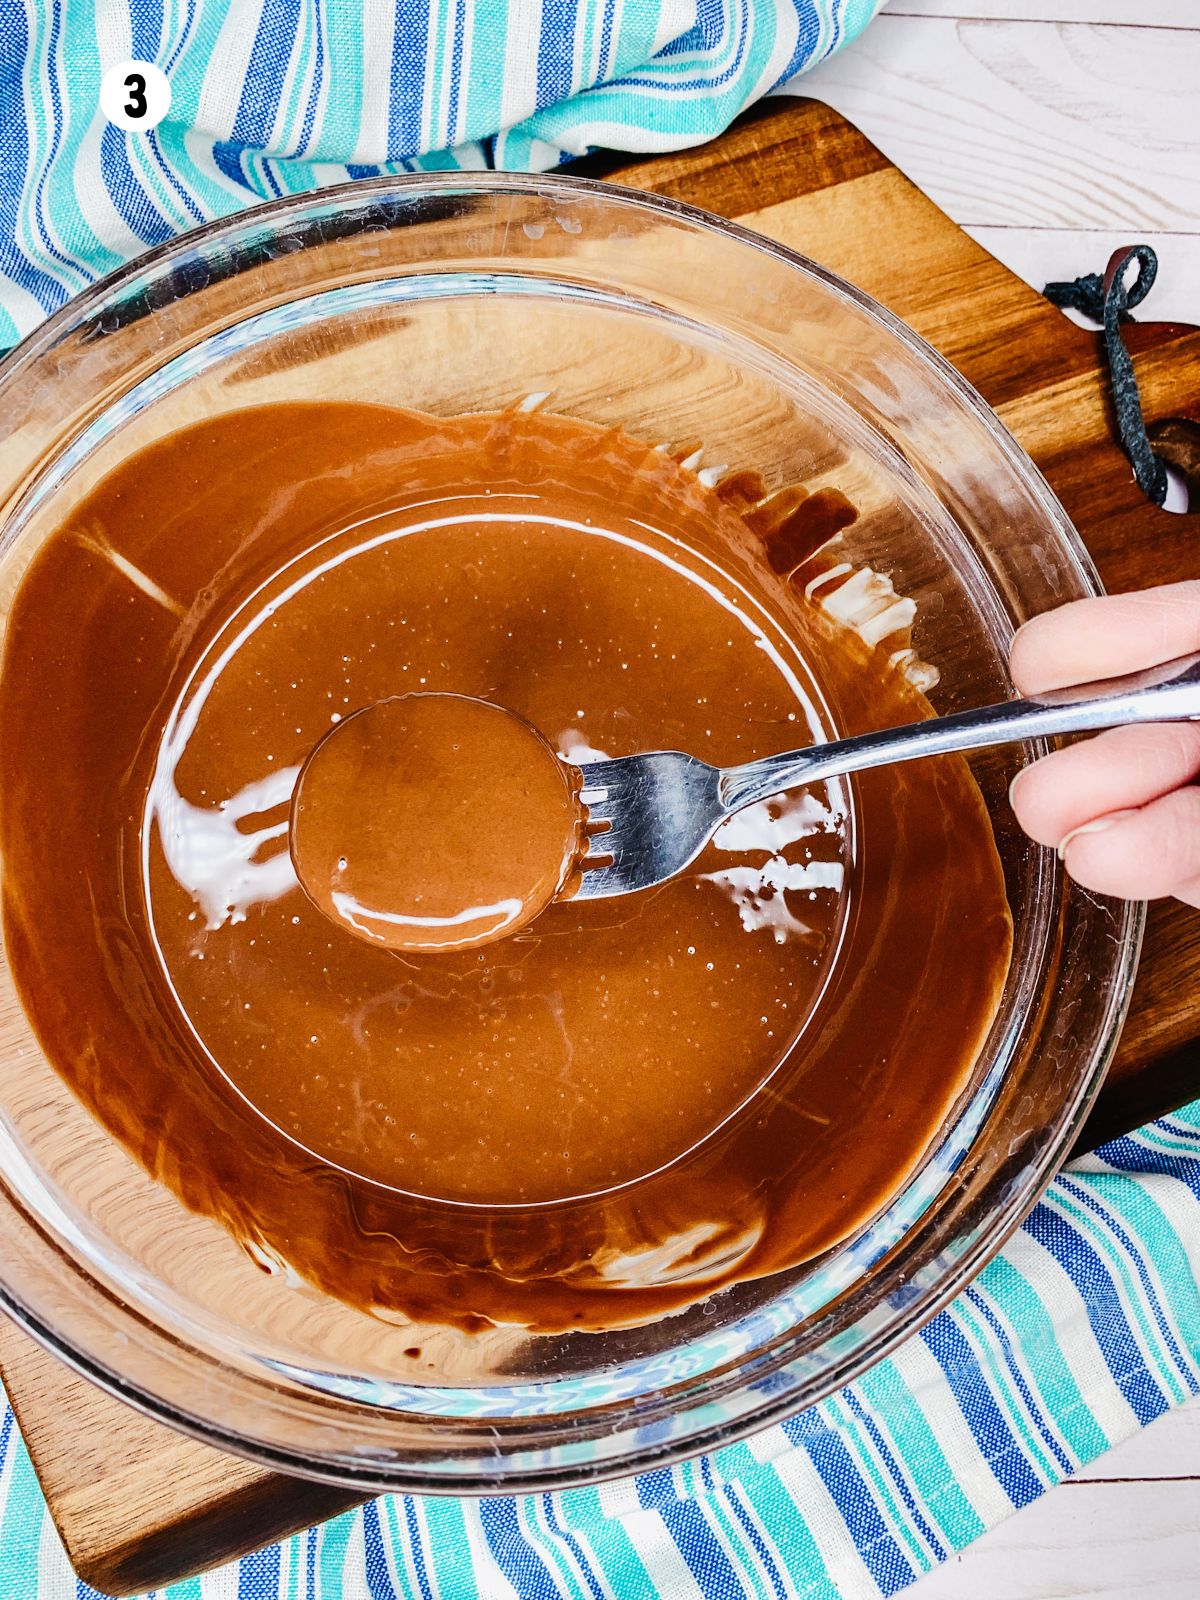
(353, 912)
(758, 893)
(214, 859)
(773, 824)
(770, 826)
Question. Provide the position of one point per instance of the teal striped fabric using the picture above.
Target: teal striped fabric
(1086, 1328)
(271, 97)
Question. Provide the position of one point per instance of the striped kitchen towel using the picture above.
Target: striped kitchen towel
(1086, 1328)
(271, 97)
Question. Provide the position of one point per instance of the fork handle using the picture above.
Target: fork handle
(1169, 693)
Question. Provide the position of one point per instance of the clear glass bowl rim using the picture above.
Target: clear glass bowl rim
(376, 1475)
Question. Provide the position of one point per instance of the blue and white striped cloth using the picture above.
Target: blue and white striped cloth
(273, 97)
(1086, 1328)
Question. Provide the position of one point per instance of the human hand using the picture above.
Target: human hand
(1122, 809)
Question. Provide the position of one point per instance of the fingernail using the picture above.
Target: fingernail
(1098, 826)
(1012, 788)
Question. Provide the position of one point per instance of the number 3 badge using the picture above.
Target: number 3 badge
(135, 95)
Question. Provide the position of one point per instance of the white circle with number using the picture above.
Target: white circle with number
(135, 95)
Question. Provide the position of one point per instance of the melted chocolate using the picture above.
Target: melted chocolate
(434, 822)
(629, 1103)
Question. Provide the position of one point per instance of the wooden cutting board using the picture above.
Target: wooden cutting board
(138, 1505)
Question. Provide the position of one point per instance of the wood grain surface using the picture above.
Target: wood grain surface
(1022, 92)
(1051, 130)
(138, 1505)
(1125, 1528)
(1141, 14)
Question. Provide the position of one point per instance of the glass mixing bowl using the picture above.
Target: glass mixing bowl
(454, 293)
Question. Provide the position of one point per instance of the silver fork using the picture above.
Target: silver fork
(659, 810)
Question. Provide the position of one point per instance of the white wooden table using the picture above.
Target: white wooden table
(1051, 142)
(1055, 131)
